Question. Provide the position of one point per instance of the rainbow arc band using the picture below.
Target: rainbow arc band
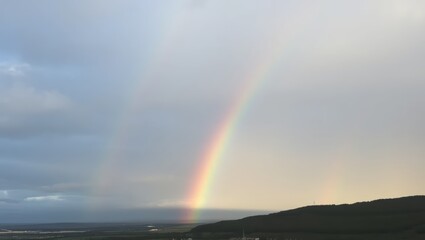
(216, 148)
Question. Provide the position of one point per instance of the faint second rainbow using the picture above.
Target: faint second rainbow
(162, 43)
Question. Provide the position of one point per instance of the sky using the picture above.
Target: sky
(109, 110)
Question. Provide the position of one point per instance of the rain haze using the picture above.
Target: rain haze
(194, 109)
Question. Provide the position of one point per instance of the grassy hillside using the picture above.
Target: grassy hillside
(387, 216)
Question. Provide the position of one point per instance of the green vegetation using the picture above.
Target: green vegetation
(402, 218)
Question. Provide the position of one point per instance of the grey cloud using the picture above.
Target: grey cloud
(28, 111)
(78, 31)
(8, 200)
(25, 100)
(139, 88)
(68, 187)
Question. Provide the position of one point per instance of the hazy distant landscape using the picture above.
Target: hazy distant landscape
(402, 218)
(76, 231)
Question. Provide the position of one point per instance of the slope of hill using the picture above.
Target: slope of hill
(386, 216)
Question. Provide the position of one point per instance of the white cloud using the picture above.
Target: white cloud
(14, 69)
(165, 203)
(5, 193)
(45, 198)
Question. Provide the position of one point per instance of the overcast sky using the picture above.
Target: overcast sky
(107, 106)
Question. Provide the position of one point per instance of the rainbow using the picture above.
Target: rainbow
(215, 149)
(210, 159)
(198, 192)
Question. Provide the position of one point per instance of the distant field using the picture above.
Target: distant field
(95, 231)
(134, 231)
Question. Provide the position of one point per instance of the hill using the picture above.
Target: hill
(385, 216)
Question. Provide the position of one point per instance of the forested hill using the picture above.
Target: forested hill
(379, 216)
